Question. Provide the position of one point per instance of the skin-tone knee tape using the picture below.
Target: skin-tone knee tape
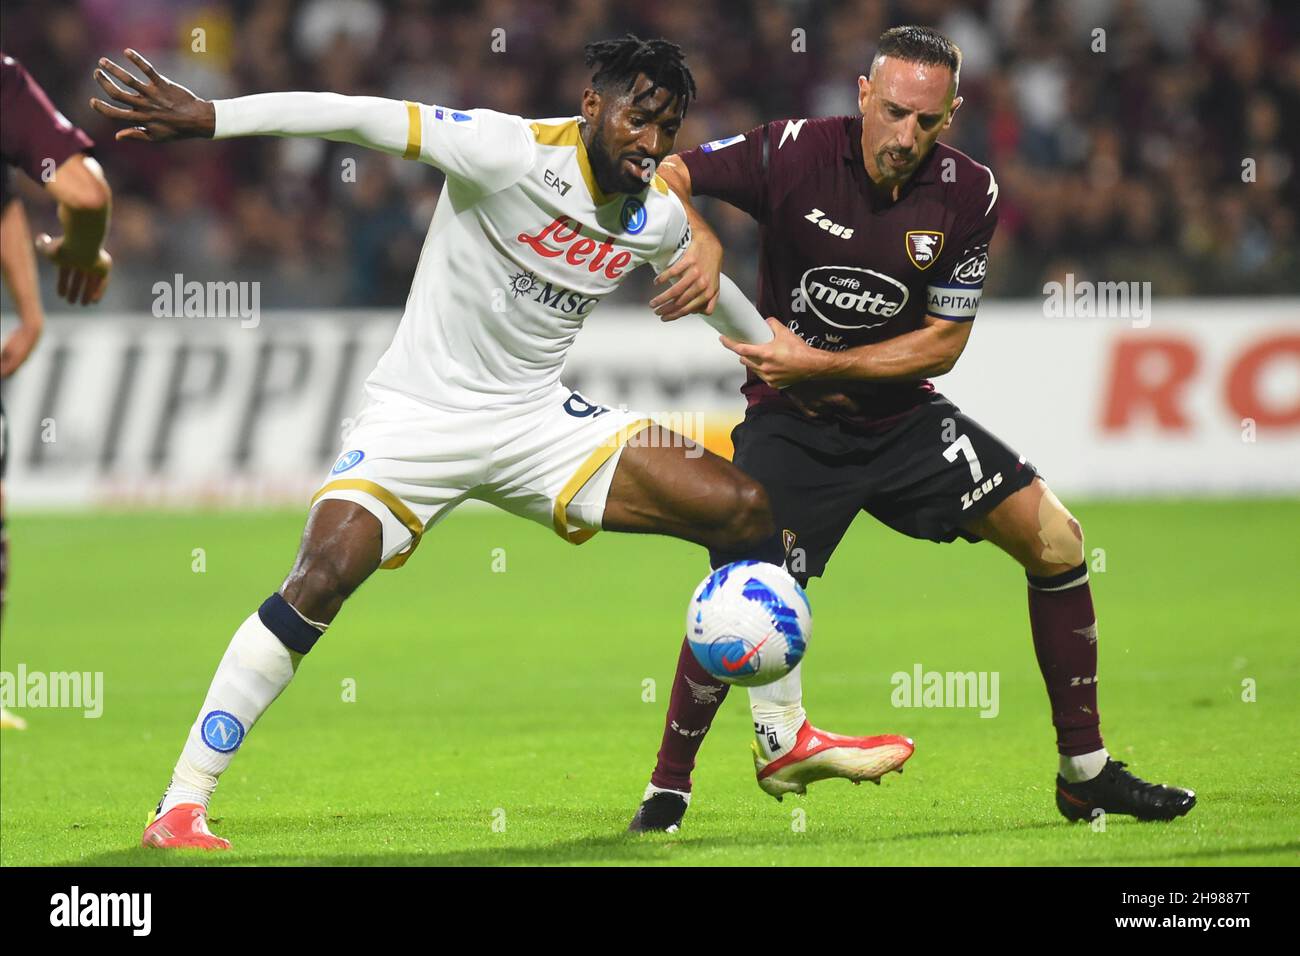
(1060, 535)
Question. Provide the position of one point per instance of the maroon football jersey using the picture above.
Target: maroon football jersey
(34, 136)
(842, 267)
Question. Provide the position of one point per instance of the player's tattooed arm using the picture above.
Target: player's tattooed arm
(787, 359)
(695, 275)
(157, 109)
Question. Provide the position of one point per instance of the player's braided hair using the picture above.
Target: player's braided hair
(619, 62)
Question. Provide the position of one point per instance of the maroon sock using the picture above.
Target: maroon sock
(1065, 640)
(696, 697)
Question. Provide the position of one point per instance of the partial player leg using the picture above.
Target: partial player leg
(1036, 529)
(813, 504)
(8, 721)
(666, 484)
(340, 548)
(658, 489)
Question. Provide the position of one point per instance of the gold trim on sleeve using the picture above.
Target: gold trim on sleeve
(413, 131)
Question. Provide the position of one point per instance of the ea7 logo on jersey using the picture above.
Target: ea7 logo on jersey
(556, 183)
(834, 228)
(923, 247)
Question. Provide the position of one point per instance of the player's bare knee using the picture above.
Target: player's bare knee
(1060, 536)
(317, 587)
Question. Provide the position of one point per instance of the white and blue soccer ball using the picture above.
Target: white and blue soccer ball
(748, 623)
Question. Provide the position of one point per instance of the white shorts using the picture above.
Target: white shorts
(409, 463)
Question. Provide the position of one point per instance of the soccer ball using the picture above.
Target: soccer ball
(748, 623)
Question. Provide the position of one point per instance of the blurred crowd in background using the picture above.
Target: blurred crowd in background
(1122, 163)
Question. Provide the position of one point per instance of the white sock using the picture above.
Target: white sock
(778, 713)
(255, 669)
(651, 790)
(1084, 767)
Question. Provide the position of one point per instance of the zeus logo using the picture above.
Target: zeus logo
(834, 228)
(968, 498)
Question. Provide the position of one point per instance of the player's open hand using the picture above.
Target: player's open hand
(694, 277)
(785, 360)
(81, 279)
(158, 109)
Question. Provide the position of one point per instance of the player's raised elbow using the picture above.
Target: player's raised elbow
(80, 185)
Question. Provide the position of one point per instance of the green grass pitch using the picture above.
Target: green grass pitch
(516, 697)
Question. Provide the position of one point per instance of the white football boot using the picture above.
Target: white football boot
(818, 755)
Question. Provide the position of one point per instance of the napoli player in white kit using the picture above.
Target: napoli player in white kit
(467, 401)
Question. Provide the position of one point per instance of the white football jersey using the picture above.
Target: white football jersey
(522, 247)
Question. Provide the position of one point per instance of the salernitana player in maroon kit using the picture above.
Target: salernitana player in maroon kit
(873, 249)
(39, 140)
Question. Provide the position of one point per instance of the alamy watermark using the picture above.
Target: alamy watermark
(180, 299)
(1098, 300)
(130, 910)
(922, 688)
(82, 690)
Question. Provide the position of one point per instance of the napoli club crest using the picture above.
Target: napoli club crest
(923, 247)
(222, 731)
(633, 216)
(349, 459)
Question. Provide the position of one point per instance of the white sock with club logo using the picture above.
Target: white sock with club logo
(255, 669)
(778, 713)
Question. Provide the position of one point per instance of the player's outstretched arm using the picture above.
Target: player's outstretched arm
(157, 109)
(696, 276)
(699, 286)
(490, 150)
(735, 316)
(161, 110)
